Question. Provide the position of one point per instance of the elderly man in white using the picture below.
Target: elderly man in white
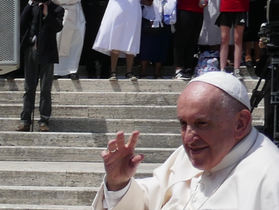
(223, 163)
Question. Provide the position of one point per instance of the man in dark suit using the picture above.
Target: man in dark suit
(40, 21)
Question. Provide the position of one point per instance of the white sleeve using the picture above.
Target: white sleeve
(113, 197)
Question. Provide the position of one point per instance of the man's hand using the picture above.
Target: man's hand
(45, 8)
(203, 3)
(120, 161)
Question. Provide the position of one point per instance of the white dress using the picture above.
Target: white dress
(70, 39)
(120, 28)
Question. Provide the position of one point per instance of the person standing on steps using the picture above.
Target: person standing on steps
(119, 34)
(40, 21)
(233, 13)
(187, 31)
(93, 60)
(70, 39)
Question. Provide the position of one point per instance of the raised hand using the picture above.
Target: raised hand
(120, 160)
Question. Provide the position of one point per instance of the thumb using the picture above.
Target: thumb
(136, 160)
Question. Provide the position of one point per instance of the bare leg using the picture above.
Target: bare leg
(144, 64)
(257, 51)
(129, 62)
(114, 59)
(238, 37)
(224, 48)
(158, 66)
(248, 49)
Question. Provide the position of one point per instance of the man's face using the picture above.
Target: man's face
(207, 128)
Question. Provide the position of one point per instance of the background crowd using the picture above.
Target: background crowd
(196, 26)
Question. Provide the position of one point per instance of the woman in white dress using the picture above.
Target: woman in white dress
(119, 33)
(70, 39)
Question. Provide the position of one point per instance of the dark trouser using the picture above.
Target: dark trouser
(188, 27)
(33, 71)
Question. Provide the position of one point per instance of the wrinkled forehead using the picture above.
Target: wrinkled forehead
(198, 89)
(201, 94)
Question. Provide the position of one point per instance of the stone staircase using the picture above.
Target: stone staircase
(62, 169)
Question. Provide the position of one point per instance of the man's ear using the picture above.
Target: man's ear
(242, 124)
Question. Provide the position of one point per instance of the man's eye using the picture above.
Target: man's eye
(202, 124)
(183, 124)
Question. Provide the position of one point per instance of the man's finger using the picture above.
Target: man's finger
(133, 139)
(120, 139)
(112, 146)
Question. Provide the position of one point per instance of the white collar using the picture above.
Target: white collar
(238, 151)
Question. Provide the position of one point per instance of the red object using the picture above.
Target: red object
(189, 5)
(234, 5)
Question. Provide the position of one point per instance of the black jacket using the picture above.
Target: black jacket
(46, 35)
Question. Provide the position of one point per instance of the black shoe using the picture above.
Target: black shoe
(55, 77)
(74, 76)
(129, 75)
(249, 64)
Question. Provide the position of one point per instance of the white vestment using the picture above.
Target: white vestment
(120, 28)
(246, 179)
(70, 39)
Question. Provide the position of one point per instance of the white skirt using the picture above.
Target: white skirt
(120, 28)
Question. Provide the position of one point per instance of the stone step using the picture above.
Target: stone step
(41, 195)
(107, 111)
(97, 98)
(167, 71)
(98, 111)
(104, 85)
(99, 125)
(74, 154)
(105, 125)
(13, 138)
(60, 174)
(41, 207)
(100, 98)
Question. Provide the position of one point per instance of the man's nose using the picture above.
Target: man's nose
(188, 134)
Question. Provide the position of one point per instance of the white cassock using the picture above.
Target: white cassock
(70, 39)
(120, 28)
(246, 179)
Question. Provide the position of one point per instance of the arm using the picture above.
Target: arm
(120, 161)
(25, 18)
(53, 17)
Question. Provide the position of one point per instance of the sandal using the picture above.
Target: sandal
(113, 76)
(129, 75)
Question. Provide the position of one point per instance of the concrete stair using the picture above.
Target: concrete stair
(62, 169)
